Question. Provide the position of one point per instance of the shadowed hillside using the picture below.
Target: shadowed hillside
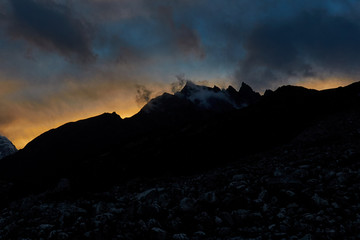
(203, 163)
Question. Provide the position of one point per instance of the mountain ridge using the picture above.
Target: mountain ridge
(205, 98)
(285, 167)
(182, 135)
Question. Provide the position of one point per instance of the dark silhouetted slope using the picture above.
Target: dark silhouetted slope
(195, 129)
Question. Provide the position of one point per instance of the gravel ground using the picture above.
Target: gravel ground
(288, 193)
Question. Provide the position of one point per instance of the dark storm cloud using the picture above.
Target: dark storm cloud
(184, 38)
(189, 41)
(312, 44)
(52, 27)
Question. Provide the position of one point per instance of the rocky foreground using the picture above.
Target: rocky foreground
(294, 192)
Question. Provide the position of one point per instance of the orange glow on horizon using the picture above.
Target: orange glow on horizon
(22, 132)
(324, 83)
(29, 120)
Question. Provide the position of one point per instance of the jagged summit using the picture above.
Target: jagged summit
(204, 98)
(245, 87)
(191, 88)
(213, 99)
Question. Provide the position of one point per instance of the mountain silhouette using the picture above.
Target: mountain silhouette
(195, 101)
(194, 129)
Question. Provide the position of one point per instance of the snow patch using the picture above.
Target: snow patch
(6, 147)
(205, 97)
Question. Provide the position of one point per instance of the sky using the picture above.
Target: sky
(63, 60)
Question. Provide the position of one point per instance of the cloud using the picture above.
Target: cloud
(312, 44)
(113, 10)
(189, 41)
(142, 94)
(52, 27)
(127, 51)
(185, 38)
(179, 84)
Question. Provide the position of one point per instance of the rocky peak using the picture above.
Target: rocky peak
(247, 95)
(191, 88)
(231, 90)
(199, 97)
(245, 88)
(213, 99)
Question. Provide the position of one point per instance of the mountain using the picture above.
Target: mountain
(105, 147)
(195, 101)
(6, 147)
(286, 166)
(216, 99)
(194, 129)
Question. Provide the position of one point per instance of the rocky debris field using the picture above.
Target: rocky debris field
(289, 193)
